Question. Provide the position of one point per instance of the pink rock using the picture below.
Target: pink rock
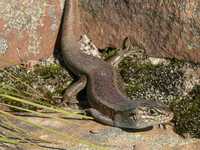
(162, 28)
(28, 29)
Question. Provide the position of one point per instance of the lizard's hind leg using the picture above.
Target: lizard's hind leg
(89, 48)
(123, 52)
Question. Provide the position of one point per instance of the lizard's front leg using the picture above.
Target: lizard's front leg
(98, 116)
(70, 95)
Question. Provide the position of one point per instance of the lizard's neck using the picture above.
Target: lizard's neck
(71, 27)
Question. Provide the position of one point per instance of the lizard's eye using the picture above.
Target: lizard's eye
(153, 112)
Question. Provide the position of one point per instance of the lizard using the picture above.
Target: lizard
(108, 104)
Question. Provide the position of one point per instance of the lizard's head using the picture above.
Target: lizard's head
(146, 114)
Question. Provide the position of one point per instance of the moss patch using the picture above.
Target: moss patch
(147, 81)
(44, 83)
(164, 82)
(108, 52)
(187, 113)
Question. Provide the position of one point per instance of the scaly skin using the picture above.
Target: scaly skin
(109, 105)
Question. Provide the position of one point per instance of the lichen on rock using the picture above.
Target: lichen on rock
(22, 14)
(3, 45)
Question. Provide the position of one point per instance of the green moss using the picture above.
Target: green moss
(164, 82)
(48, 71)
(145, 80)
(187, 113)
(44, 83)
(109, 52)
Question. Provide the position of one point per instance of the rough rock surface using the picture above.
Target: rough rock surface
(28, 29)
(163, 28)
(107, 137)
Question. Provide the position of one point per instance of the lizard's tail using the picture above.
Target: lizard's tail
(71, 24)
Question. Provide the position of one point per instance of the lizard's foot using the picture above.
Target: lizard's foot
(71, 102)
(123, 52)
(165, 125)
(162, 126)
